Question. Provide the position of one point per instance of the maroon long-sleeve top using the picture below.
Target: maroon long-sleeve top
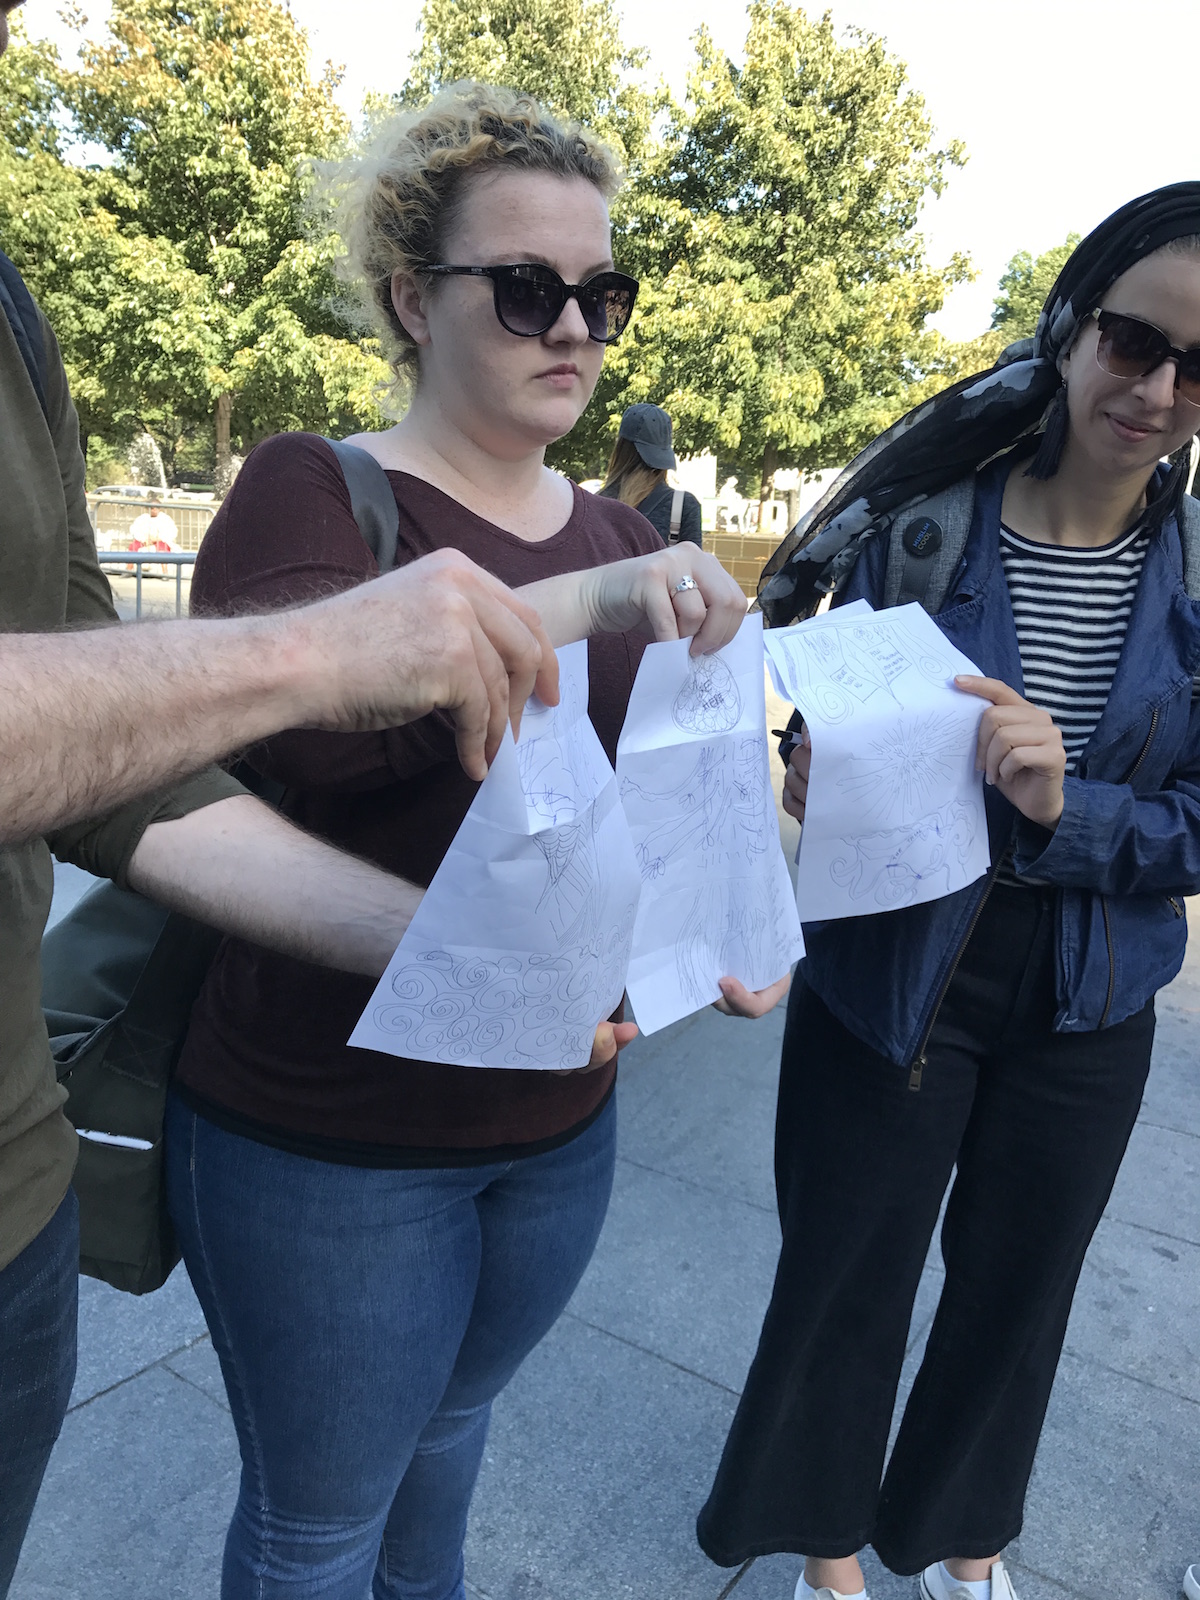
(266, 1053)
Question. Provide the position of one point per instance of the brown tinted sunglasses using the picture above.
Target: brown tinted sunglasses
(1131, 348)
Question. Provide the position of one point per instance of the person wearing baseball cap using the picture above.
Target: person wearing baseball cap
(637, 475)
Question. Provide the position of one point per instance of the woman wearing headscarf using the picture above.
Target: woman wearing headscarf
(637, 476)
(1002, 1033)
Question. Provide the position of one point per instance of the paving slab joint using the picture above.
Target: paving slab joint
(132, 1377)
(737, 1578)
(655, 1355)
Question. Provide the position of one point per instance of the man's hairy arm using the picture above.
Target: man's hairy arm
(91, 719)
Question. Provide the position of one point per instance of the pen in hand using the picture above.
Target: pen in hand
(792, 738)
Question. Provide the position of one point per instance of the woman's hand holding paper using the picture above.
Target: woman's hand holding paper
(742, 1002)
(646, 592)
(610, 1037)
(1020, 750)
(676, 593)
(795, 779)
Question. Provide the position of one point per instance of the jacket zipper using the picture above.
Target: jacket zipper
(1129, 776)
(1112, 963)
(917, 1070)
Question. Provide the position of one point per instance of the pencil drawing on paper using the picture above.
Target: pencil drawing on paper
(521, 943)
(504, 1010)
(732, 925)
(549, 789)
(933, 663)
(573, 893)
(556, 757)
(709, 701)
(849, 665)
(559, 776)
(908, 763)
(894, 813)
(720, 810)
(893, 866)
(694, 774)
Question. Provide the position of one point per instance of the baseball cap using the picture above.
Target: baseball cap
(648, 429)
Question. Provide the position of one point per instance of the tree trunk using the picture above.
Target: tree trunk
(766, 491)
(223, 475)
(793, 502)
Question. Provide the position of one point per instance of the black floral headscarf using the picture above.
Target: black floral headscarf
(974, 420)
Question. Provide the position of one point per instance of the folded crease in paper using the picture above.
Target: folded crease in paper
(520, 946)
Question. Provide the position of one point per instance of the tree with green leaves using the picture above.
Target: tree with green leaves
(1023, 288)
(790, 289)
(784, 288)
(188, 290)
(213, 123)
(1020, 295)
(568, 53)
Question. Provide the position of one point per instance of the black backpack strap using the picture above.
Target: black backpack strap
(17, 304)
(371, 500)
(925, 546)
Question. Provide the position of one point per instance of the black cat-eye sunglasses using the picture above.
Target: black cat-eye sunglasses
(529, 298)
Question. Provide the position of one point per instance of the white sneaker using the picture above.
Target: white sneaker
(804, 1592)
(1191, 1583)
(935, 1587)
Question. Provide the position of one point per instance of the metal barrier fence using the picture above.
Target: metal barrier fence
(149, 558)
(112, 519)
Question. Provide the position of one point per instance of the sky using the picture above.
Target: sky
(1067, 108)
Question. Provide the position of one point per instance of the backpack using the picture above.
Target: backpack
(676, 516)
(120, 975)
(926, 544)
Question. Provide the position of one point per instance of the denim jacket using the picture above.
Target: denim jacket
(1127, 846)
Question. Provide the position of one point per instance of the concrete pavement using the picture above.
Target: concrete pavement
(604, 1445)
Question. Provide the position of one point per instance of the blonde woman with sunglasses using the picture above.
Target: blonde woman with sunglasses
(379, 1243)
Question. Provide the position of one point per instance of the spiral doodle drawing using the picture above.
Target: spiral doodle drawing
(504, 1010)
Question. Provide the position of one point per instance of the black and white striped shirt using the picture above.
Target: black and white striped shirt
(1071, 607)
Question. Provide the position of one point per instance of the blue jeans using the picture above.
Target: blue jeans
(39, 1302)
(365, 1319)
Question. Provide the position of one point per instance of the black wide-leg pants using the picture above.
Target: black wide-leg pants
(1036, 1123)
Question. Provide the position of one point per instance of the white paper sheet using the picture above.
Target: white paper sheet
(521, 943)
(694, 769)
(894, 814)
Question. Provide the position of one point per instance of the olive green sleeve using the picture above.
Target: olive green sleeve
(89, 598)
(104, 845)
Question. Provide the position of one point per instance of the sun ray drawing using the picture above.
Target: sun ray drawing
(908, 764)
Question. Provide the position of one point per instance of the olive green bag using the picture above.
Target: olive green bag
(119, 978)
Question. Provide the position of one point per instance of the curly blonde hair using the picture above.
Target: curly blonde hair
(399, 198)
